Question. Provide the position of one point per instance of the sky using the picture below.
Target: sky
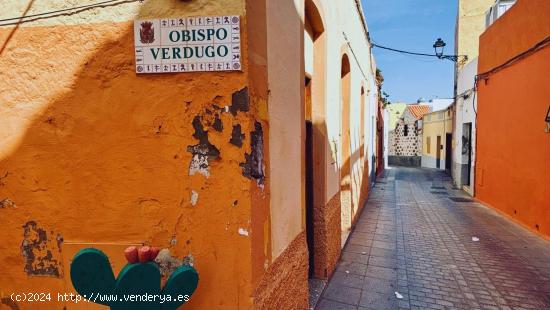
(413, 25)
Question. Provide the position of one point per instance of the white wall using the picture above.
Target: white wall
(440, 104)
(465, 113)
(343, 31)
(386, 136)
(284, 24)
(343, 27)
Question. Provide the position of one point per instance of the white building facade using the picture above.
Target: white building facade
(463, 169)
(474, 17)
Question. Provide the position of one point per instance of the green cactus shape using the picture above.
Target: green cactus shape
(93, 278)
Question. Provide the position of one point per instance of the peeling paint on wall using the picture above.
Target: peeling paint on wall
(41, 255)
(5, 203)
(173, 240)
(239, 101)
(167, 263)
(2, 183)
(237, 136)
(243, 232)
(194, 198)
(189, 260)
(253, 167)
(217, 125)
(203, 152)
(9, 303)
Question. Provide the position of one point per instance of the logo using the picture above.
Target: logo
(147, 33)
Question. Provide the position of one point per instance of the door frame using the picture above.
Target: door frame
(438, 153)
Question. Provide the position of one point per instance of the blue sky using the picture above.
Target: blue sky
(413, 25)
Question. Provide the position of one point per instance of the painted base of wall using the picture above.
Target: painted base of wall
(460, 174)
(366, 185)
(346, 207)
(431, 162)
(327, 237)
(404, 161)
(285, 282)
(520, 222)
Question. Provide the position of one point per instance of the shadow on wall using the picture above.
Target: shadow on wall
(108, 160)
(334, 212)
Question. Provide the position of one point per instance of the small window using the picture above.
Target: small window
(406, 130)
(428, 143)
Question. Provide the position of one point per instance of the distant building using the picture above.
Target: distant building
(437, 130)
(395, 112)
(405, 141)
(439, 104)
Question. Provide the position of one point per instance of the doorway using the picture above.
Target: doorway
(438, 153)
(315, 139)
(309, 176)
(448, 151)
(467, 151)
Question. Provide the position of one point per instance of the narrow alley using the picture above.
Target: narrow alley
(415, 237)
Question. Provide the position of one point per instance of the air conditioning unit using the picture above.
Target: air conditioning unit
(496, 10)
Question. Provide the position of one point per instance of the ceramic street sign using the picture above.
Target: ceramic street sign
(188, 44)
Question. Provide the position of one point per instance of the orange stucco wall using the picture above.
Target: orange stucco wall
(513, 161)
(95, 155)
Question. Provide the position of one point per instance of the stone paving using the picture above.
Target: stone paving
(413, 239)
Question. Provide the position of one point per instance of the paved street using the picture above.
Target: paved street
(413, 239)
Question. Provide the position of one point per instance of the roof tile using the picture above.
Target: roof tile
(419, 110)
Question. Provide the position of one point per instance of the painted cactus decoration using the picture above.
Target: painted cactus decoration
(93, 278)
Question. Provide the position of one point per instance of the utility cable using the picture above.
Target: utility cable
(485, 75)
(402, 51)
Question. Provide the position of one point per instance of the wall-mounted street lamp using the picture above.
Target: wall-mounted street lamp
(439, 47)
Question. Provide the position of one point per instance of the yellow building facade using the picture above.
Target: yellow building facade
(470, 25)
(437, 128)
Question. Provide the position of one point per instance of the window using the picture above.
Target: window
(428, 143)
(406, 130)
(497, 10)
